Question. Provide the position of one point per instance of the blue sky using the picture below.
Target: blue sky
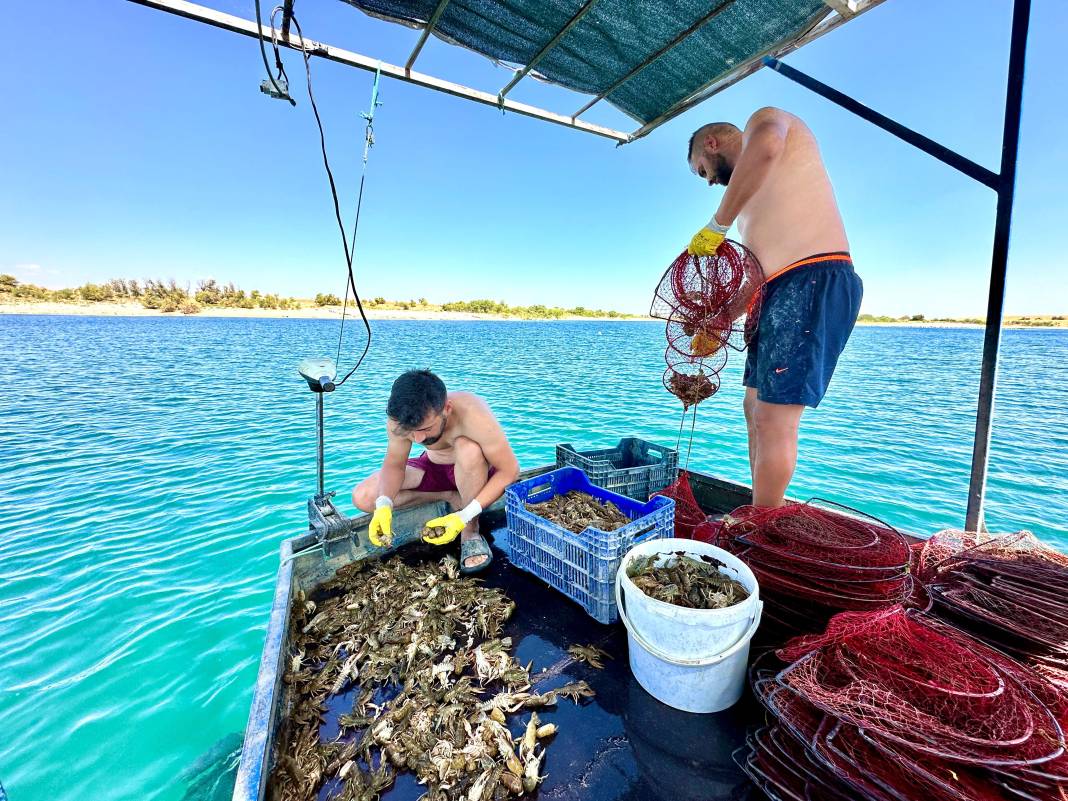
(137, 144)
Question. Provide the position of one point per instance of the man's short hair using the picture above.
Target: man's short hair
(712, 127)
(414, 395)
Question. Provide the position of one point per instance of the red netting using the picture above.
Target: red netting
(855, 763)
(1009, 591)
(702, 298)
(896, 706)
(692, 381)
(812, 562)
(904, 682)
(688, 515)
(708, 531)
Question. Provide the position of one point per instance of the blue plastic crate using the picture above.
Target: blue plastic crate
(634, 467)
(581, 566)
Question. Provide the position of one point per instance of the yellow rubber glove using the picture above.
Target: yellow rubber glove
(707, 241)
(452, 523)
(380, 531)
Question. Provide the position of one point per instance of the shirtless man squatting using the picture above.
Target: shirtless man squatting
(466, 461)
(779, 194)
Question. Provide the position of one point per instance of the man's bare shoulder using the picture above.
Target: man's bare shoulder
(477, 419)
(472, 408)
(775, 116)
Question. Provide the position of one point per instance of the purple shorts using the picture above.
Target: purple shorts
(436, 477)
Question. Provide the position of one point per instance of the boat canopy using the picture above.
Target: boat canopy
(652, 59)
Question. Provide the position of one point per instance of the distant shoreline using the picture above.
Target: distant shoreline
(105, 309)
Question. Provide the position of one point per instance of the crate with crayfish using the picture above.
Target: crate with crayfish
(581, 564)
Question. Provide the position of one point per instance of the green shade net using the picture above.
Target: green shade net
(614, 38)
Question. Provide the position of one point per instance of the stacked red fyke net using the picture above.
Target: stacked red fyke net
(701, 299)
(812, 562)
(1011, 592)
(892, 705)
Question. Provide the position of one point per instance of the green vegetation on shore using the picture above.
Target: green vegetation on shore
(537, 311)
(150, 293)
(1032, 321)
(167, 296)
(496, 307)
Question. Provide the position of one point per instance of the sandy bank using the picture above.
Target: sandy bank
(310, 312)
(334, 313)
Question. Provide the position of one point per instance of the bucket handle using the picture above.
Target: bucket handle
(684, 661)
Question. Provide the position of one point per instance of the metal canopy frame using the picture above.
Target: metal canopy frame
(1002, 182)
(426, 33)
(589, 4)
(711, 15)
(229, 22)
(836, 13)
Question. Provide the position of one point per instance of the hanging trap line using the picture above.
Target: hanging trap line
(280, 83)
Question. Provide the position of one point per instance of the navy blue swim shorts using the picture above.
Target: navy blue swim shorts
(806, 316)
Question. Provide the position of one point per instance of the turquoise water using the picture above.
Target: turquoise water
(149, 469)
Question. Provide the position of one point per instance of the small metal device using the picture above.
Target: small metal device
(319, 372)
(268, 88)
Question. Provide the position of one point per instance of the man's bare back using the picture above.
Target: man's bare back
(794, 214)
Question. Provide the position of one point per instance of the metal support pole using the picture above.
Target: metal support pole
(1021, 15)
(287, 17)
(929, 146)
(229, 22)
(571, 23)
(319, 419)
(426, 33)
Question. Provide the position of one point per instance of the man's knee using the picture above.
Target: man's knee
(748, 404)
(469, 454)
(363, 495)
(775, 421)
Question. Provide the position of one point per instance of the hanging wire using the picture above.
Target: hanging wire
(678, 439)
(349, 250)
(281, 67)
(689, 447)
(368, 143)
(682, 422)
(277, 59)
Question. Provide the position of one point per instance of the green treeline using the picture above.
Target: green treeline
(531, 312)
(917, 318)
(166, 296)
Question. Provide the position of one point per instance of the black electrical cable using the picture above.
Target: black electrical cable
(263, 52)
(349, 252)
(277, 54)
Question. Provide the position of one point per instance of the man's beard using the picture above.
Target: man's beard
(441, 433)
(723, 170)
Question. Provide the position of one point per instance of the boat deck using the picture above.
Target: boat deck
(620, 745)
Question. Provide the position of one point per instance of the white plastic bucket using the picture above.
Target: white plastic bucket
(689, 633)
(690, 659)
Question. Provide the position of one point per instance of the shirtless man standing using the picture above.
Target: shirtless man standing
(778, 192)
(467, 461)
